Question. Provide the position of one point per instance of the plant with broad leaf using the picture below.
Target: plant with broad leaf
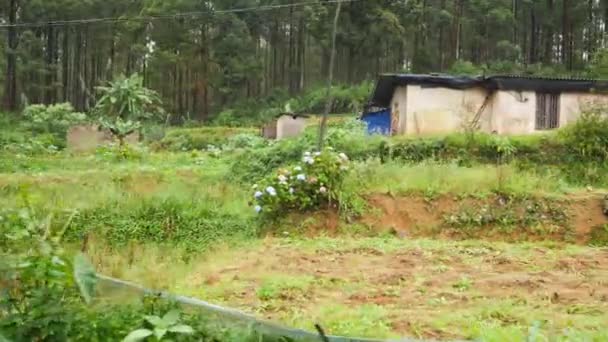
(40, 281)
(160, 327)
(55, 118)
(315, 182)
(124, 104)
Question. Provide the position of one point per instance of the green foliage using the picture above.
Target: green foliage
(599, 66)
(345, 99)
(257, 111)
(186, 139)
(504, 214)
(587, 140)
(118, 153)
(52, 119)
(128, 99)
(599, 236)
(48, 296)
(124, 104)
(465, 68)
(39, 280)
(348, 136)
(193, 224)
(159, 327)
(43, 129)
(315, 183)
(246, 141)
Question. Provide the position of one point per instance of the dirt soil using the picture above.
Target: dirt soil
(432, 291)
(417, 216)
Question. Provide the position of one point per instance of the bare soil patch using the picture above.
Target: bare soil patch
(416, 215)
(434, 291)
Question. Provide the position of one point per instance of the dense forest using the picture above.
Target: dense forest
(205, 55)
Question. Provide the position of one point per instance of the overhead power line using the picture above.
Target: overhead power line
(182, 15)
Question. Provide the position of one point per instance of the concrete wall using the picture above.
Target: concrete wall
(288, 126)
(420, 110)
(514, 112)
(438, 110)
(88, 137)
(270, 130)
(572, 104)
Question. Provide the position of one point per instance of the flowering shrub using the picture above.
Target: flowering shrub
(314, 182)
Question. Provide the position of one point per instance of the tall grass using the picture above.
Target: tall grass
(441, 178)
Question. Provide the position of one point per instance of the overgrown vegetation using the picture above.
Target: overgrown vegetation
(191, 191)
(124, 104)
(315, 183)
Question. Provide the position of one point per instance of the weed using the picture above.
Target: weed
(599, 236)
(290, 288)
(463, 284)
(365, 320)
(542, 216)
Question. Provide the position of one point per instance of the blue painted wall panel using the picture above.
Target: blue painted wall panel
(378, 122)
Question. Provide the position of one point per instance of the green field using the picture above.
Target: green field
(432, 248)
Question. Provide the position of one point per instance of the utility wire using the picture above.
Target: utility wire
(170, 16)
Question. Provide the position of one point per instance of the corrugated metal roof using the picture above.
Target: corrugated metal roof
(387, 83)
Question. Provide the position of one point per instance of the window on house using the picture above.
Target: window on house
(547, 111)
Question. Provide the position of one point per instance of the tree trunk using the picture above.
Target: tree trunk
(565, 32)
(10, 86)
(548, 32)
(49, 85)
(65, 61)
(533, 35)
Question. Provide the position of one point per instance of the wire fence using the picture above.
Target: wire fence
(111, 287)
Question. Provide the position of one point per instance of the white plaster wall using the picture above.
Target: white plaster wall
(287, 126)
(438, 110)
(442, 110)
(515, 112)
(399, 110)
(572, 104)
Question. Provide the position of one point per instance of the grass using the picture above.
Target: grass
(484, 289)
(177, 222)
(436, 179)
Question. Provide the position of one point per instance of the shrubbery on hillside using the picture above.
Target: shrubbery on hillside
(186, 139)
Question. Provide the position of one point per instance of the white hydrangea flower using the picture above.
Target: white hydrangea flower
(308, 160)
(271, 191)
(301, 177)
(258, 194)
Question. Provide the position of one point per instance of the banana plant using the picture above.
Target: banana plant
(124, 103)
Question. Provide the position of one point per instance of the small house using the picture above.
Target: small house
(430, 104)
(285, 125)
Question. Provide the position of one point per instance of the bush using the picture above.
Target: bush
(55, 119)
(245, 140)
(192, 224)
(313, 184)
(346, 99)
(586, 140)
(186, 139)
(599, 236)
